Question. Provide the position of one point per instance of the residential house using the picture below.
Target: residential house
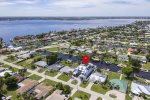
(84, 71)
(2, 74)
(26, 85)
(41, 64)
(137, 88)
(56, 95)
(55, 67)
(66, 70)
(41, 91)
(98, 78)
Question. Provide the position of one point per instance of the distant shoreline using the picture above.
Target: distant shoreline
(67, 18)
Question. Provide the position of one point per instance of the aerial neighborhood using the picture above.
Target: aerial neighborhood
(49, 66)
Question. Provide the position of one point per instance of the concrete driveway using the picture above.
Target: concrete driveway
(119, 95)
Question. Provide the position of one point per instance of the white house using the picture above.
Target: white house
(14, 48)
(2, 74)
(97, 77)
(137, 88)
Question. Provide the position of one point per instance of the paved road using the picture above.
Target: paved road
(93, 94)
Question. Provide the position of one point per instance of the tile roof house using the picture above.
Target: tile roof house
(56, 96)
(41, 91)
(26, 85)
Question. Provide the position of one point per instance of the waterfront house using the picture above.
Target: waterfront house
(26, 85)
(14, 48)
(66, 70)
(55, 67)
(41, 64)
(84, 71)
(98, 78)
(24, 56)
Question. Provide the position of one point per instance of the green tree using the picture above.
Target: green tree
(22, 72)
(127, 70)
(135, 63)
(51, 58)
(6, 75)
(59, 86)
(11, 82)
(66, 89)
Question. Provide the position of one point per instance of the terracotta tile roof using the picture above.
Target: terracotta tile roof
(26, 85)
(42, 90)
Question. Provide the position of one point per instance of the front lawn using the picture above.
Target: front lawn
(41, 70)
(75, 82)
(53, 49)
(10, 68)
(82, 95)
(35, 77)
(51, 73)
(65, 77)
(147, 66)
(99, 98)
(11, 59)
(84, 84)
(50, 82)
(99, 88)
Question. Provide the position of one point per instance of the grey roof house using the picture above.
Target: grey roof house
(66, 70)
(41, 64)
(55, 67)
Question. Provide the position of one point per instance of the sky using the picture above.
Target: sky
(74, 8)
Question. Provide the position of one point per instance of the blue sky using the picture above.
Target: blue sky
(74, 7)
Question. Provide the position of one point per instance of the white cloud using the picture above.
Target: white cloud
(75, 7)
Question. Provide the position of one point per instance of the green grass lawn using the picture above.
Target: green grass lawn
(112, 75)
(146, 66)
(10, 68)
(41, 70)
(25, 63)
(53, 49)
(82, 95)
(12, 93)
(75, 82)
(28, 62)
(99, 88)
(70, 64)
(113, 96)
(99, 98)
(65, 77)
(51, 73)
(35, 77)
(49, 82)
(84, 84)
(11, 59)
